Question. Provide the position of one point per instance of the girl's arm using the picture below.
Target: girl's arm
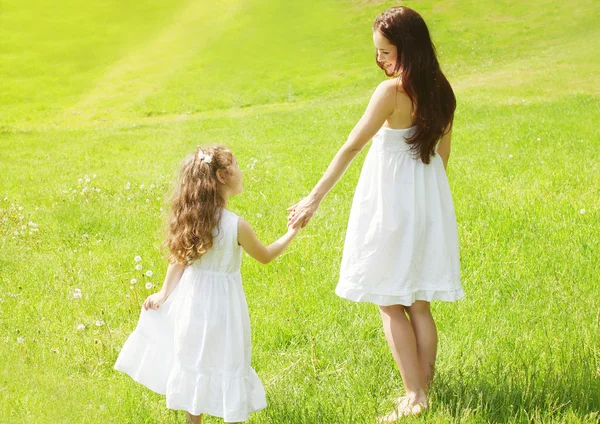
(443, 147)
(380, 107)
(263, 254)
(174, 273)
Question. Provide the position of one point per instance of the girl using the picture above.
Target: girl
(401, 248)
(192, 341)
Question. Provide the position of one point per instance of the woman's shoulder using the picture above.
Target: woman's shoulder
(391, 86)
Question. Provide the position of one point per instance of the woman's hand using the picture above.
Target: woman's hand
(302, 212)
(154, 300)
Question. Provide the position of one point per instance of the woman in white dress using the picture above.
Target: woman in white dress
(401, 247)
(192, 342)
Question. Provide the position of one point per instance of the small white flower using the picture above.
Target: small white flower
(86, 235)
(32, 224)
(510, 156)
(149, 285)
(142, 186)
(20, 340)
(582, 211)
(302, 268)
(99, 323)
(20, 208)
(94, 176)
(133, 281)
(259, 215)
(77, 294)
(80, 180)
(147, 200)
(149, 273)
(137, 258)
(130, 287)
(151, 186)
(127, 186)
(138, 267)
(539, 139)
(80, 327)
(23, 227)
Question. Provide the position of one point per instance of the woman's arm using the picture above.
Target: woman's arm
(264, 254)
(443, 147)
(380, 107)
(174, 273)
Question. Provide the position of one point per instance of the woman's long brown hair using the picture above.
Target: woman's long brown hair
(422, 79)
(196, 204)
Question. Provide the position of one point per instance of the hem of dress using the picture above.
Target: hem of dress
(357, 295)
(219, 414)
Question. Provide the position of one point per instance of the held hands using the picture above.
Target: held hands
(302, 212)
(154, 301)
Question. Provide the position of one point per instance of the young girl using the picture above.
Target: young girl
(401, 249)
(192, 341)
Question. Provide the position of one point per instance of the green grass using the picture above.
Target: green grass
(120, 92)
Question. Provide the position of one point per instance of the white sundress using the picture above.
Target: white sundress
(196, 347)
(402, 242)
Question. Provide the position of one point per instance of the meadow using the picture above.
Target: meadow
(100, 100)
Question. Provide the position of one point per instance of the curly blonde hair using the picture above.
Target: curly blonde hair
(196, 204)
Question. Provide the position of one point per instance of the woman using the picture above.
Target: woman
(401, 248)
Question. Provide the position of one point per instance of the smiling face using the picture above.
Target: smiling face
(387, 53)
(235, 179)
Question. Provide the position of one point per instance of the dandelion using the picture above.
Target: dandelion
(152, 186)
(80, 180)
(99, 323)
(149, 273)
(147, 200)
(539, 139)
(80, 327)
(142, 186)
(23, 227)
(20, 340)
(32, 224)
(77, 294)
(582, 211)
(86, 235)
(510, 156)
(130, 287)
(133, 281)
(259, 215)
(149, 285)
(128, 185)
(20, 208)
(138, 267)
(137, 258)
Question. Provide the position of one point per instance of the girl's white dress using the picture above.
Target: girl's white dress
(196, 347)
(402, 241)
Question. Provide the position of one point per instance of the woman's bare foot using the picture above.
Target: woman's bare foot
(407, 406)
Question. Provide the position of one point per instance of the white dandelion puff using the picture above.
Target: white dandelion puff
(20, 340)
(77, 294)
(99, 323)
(149, 273)
(138, 267)
(149, 285)
(582, 211)
(133, 281)
(80, 327)
(137, 258)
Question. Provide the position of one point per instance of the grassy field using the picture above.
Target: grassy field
(99, 101)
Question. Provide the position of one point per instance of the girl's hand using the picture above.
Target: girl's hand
(293, 231)
(302, 212)
(154, 301)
